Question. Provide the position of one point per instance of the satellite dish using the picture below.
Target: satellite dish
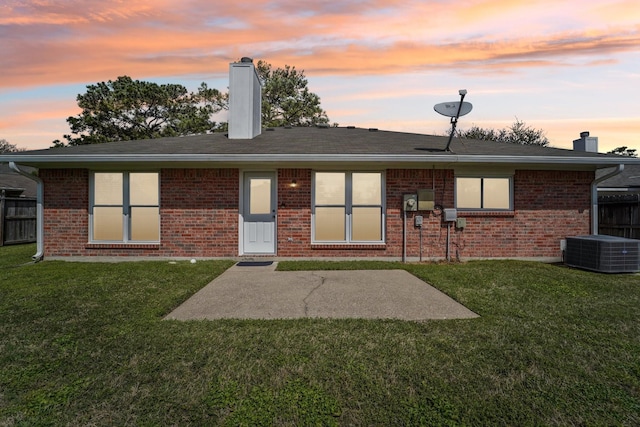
(450, 109)
(454, 110)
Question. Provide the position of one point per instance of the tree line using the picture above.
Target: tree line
(521, 133)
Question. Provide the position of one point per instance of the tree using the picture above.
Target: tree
(517, 133)
(127, 109)
(286, 99)
(6, 147)
(624, 151)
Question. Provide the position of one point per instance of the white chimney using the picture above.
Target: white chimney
(586, 143)
(245, 100)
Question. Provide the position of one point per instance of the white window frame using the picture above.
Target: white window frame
(348, 205)
(482, 177)
(126, 208)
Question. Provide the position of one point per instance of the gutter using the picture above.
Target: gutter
(594, 196)
(71, 160)
(39, 211)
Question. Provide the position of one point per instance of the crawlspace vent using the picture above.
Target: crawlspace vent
(604, 254)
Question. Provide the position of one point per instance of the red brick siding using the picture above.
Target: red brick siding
(552, 205)
(199, 216)
(400, 182)
(548, 206)
(199, 212)
(66, 219)
(294, 216)
(294, 212)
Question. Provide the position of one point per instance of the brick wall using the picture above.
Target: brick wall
(294, 212)
(66, 220)
(549, 206)
(199, 216)
(199, 212)
(432, 236)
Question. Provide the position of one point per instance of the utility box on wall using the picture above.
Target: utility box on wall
(410, 202)
(426, 200)
(449, 215)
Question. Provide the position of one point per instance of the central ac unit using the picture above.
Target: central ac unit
(604, 254)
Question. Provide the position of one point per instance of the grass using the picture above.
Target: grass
(84, 344)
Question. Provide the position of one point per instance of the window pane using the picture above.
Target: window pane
(143, 188)
(260, 196)
(145, 224)
(330, 224)
(108, 188)
(367, 188)
(366, 224)
(468, 192)
(107, 223)
(496, 193)
(330, 188)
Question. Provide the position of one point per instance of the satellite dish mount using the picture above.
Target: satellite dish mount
(454, 110)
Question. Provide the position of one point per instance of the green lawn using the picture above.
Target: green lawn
(84, 344)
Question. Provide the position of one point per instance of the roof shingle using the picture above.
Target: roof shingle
(315, 143)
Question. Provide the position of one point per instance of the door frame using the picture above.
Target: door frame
(271, 173)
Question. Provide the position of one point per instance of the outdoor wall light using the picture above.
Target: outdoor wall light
(293, 184)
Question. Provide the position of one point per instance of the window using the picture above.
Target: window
(125, 207)
(348, 207)
(490, 193)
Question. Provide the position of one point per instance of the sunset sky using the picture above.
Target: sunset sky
(562, 66)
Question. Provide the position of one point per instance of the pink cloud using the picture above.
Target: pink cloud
(49, 42)
(86, 41)
(75, 12)
(21, 114)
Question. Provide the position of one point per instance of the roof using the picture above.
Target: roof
(313, 146)
(14, 183)
(627, 180)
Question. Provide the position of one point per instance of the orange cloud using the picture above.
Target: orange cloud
(23, 114)
(74, 12)
(85, 41)
(624, 11)
(48, 42)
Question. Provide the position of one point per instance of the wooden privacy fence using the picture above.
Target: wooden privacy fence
(619, 216)
(17, 220)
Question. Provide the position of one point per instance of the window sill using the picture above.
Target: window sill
(486, 213)
(371, 246)
(122, 246)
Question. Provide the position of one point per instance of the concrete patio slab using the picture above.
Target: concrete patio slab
(260, 292)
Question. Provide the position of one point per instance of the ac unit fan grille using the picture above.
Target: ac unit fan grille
(605, 254)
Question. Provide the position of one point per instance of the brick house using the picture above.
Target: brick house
(313, 192)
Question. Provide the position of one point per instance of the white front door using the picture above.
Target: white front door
(259, 213)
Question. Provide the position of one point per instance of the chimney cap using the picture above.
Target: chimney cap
(584, 134)
(246, 59)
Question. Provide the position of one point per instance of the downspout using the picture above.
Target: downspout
(39, 211)
(594, 196)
